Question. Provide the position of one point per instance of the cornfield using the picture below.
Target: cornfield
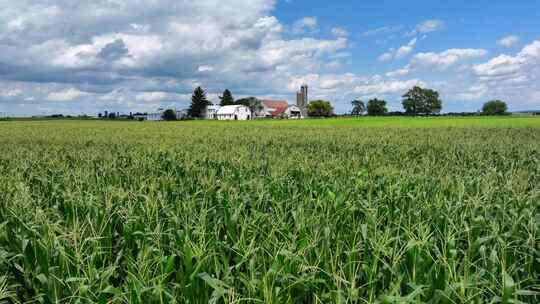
(270, 212)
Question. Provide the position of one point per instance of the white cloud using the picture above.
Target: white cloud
(406, 49)
(445, 59)
(474, 92)
(505, 65)
(388, 56)
(10, 92)
(151, 96)
(340, 32)
(401, 52)
(64, 95)
(513, 78)
(399, 73)
(306, 24)
(143, 48)
(205, 68)
(115, 96)
(378, 87)
(380, 31)
(508, 41)
(428, 26)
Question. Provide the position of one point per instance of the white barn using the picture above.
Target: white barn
(155, 116)
(294, 112)
(236, 112)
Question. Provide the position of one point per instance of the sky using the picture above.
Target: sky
(85, 57)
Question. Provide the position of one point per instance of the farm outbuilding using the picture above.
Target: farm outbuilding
(280, 109)
(274, 108)
(236, 112)
(294, 112)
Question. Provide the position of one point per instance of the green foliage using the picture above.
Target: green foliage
(314, 211)
(359, 107)
(376, 107)
(421, 101)
(495, 107)
(320, 108)
(199, 102)
(169, 115)
(227, 98)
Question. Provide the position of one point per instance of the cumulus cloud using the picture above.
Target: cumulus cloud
(525, 61)
(401, 52)
(508, 41)
(513, 78)
(156, 46)
(377, 87)
(474, 92)
(446, 59)
(399, 72)
(151, 96)
(64, 95)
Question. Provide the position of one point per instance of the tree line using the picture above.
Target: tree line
(419, 101)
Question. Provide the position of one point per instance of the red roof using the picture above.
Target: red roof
(277, 107)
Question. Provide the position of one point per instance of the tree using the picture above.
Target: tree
(169, 115)
(320, 108)
(199, 103)
(227, 98)
(376, 107)
(421, 101)
(254, 104)
(495, 107)
(358, 107)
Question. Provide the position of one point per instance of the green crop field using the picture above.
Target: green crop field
(370, 210)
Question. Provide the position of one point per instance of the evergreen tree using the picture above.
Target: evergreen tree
(227, 98)
(198, 103)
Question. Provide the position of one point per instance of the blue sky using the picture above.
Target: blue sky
(60, 56)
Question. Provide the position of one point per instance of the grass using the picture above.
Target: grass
(383, 210)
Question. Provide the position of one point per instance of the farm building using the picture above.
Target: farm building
(211, 111)
(236, 112)
(294, 112)
(158, 115)
(273, 108)
(155, 116)
(279, 109)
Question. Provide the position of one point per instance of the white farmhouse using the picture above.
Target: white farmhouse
(236, 112)
(211, 111)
